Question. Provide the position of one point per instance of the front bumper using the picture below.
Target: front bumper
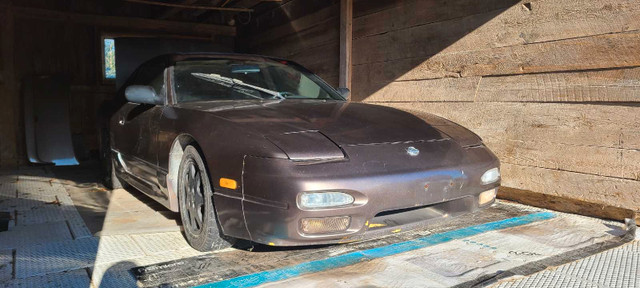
(392, 191)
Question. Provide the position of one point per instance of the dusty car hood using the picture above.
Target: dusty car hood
(342, 122)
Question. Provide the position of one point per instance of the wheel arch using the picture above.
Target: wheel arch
(175, 157)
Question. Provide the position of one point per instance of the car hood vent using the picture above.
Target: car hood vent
(307, 146)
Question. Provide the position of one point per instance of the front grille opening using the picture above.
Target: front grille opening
(405, 216)
(393, 212)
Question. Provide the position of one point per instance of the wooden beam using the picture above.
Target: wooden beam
(173, 11)
(251, 3)
(126, 22)
(346, 37)
(196, 7)
(567, 204)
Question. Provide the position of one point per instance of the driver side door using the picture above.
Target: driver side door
(136, 132)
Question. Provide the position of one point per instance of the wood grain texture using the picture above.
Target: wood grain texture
(598, 52)
(317, 35)
(593, 160)
(346, 42)
(590, 188)
(292, 28)
(614, 85)
(433, 90)
(553, 147)
(285, 13)
(368, 21)
(548, 20)
(567, 204)
(608, 126)
(312, 39)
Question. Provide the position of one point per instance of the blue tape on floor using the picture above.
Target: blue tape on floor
(351, 258)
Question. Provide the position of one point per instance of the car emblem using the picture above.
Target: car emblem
(413, 151)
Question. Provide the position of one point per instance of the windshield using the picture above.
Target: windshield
(231, 79)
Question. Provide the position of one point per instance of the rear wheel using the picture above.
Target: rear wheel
(199, 220)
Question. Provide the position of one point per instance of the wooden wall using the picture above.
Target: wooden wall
(8, 130)
(305, 31)
(43, 39)
(553, 87)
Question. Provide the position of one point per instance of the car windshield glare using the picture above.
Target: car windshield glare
(230, 79)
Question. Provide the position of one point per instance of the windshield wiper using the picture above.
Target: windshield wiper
(232, 82)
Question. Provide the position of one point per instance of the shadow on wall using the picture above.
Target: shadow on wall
(407, 40)
(390, 38)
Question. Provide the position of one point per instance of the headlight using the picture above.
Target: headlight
(324, 199)
(492, 175)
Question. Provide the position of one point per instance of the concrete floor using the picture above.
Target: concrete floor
(68, 231)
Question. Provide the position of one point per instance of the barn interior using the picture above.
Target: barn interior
(552, 87)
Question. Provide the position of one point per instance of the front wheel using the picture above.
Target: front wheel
(199, 220)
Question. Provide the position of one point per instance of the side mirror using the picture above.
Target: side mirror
(142, 94)
(345, 92)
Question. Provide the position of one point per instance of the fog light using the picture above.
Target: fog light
(324, 199)
(325, 225)
(492, 175)
(487, 196)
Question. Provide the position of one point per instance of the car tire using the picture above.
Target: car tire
(197, 212)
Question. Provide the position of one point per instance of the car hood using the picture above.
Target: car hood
(343, 122)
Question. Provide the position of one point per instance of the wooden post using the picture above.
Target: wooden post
(346, 37)
(8, 117)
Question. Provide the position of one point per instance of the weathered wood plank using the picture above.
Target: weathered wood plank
(422, 12)
(590, 188)
(587, 159)
(598, 52)
(288, 11)
(346, 40)
(365, 7)
(548, 20)
(609, 126)
(567, 204)
(126, 22)
(322, 60)
(520, 136)
(320, 34)
(291, 28)
(434, 90)
(615, 85)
